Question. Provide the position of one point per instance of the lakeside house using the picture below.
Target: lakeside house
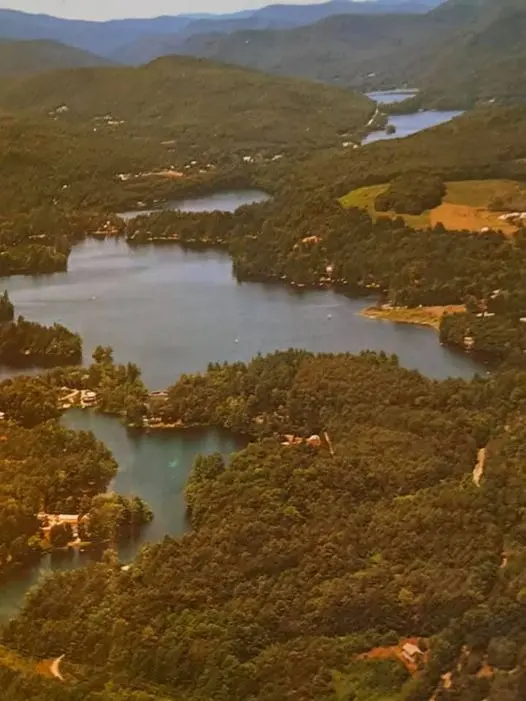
(47, 521)
(412, 653)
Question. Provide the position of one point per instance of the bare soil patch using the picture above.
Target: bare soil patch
(459, 217)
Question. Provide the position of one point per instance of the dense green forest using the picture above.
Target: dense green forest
(119, 387)
(217, 108)
(46, 468)
(411, 193)
(25, 343)
(301, 558)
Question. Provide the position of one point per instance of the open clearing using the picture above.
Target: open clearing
(394, 652)
(465, 206)
(420, 316)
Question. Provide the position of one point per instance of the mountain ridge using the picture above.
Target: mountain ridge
(105, 38)
(20, 58)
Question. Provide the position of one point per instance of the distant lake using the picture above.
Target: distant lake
(407, 124)
(390, 97)
(219, 201)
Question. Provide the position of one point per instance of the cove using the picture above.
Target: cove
(154, 466)
(173, 311)
(407, 124)
(227, 201)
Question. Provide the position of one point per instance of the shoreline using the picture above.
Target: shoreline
(416, 316)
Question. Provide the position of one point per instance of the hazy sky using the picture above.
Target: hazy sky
(105, 9)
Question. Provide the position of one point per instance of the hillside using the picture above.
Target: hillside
(127, 134)
(18, 58)
(194, 101)
(489, 64)
(340, 50)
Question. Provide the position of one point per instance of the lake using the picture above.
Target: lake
(152, 465)
(407, 124)
(173, 311)
(390, 97)
(227, 201)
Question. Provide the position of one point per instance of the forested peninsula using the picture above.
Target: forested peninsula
(54, 480)
(27, 344)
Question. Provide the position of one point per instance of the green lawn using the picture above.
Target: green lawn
(364, 197)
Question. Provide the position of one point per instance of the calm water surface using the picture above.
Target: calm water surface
(407, 124)
(220, 201)
(173, 311)
(390, 97)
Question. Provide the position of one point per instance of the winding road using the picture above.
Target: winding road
(55, 668)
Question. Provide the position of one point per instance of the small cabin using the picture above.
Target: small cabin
(412, 653)
(314, 441)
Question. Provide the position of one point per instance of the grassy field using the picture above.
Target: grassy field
(364, 198)
(422, 316)
(465, 206)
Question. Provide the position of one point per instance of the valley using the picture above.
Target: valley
(262, 346)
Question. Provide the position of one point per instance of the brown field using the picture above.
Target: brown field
(420, 316)
(461, 217)
(465, 206)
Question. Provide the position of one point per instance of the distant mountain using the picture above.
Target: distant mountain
(486, 64)
(19, 58)
(109, 38)
(274, 17)
(101, 38)
(352, 50)
(462, 51)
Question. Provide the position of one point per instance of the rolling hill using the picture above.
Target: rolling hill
(200, 109)
(18, 58)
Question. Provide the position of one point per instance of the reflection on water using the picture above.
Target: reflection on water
(219, 201)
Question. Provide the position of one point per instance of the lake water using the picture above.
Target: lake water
(173, 311)
(152, 465)
(390, 97)
(220, 201)
(407, 124)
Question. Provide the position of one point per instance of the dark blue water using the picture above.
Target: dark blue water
(173, 311)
